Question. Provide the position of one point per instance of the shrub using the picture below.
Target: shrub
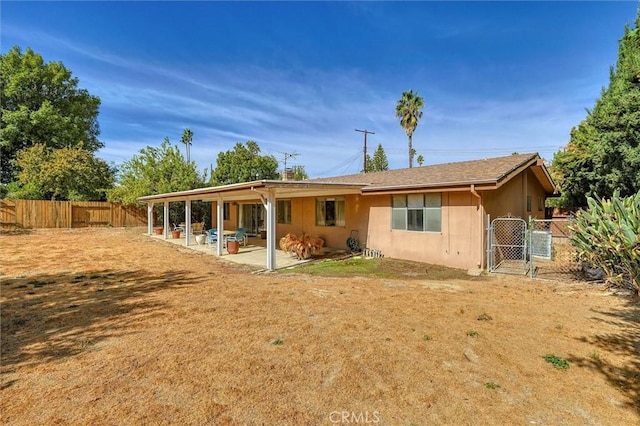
(607, 235)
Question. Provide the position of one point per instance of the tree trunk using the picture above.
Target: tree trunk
(410, 151)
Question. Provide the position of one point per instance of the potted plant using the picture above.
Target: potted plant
(233, 246)
(175, 233)
(158, 230)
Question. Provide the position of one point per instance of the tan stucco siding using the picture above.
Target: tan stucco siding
(458, 245)
(511, 198)
(303, 221)
(537, 194)
(297, 220)
(508, 200)
(232, 222)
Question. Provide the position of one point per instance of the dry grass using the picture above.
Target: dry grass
(106, 326)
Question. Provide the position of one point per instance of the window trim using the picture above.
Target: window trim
(403, 213)
(286, 220)
(337, 201)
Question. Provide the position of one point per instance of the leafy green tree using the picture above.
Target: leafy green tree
(299, 173)
(379, 161)
(603, 153)
(42, 104)
(243, 164)
(155, 170)
(420, 160)
(409, 111)
(61, 174)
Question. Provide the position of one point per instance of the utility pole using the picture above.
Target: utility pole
(364, 161)
(287, 155)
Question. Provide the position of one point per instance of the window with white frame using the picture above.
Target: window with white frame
(330, 212)
(283, 209)
(417, 212)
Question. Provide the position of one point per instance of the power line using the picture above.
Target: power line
(343, 165)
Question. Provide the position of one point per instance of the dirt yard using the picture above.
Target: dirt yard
(106, 326)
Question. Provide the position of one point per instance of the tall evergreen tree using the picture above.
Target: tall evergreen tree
(409, 111)
(603, 153)
(379, 161)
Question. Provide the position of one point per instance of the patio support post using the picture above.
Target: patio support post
(187, 221)
(150, 218)
(271, 231)
(165, 217)
(220, 225)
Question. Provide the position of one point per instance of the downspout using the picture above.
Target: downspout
(472, 188)
(474, 192)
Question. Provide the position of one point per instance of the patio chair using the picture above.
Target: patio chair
(197, 228)
(212, 237)
(241, 236)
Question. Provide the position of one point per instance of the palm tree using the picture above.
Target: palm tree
(187, 137)
(409, 110)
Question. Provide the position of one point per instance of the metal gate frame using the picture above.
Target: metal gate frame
(557, 258)
(507, 250)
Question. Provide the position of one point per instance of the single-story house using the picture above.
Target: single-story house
(435, 214)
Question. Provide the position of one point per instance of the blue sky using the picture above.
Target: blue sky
(496, 77)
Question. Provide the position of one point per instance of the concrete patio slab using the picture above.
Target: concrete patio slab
(254, 254)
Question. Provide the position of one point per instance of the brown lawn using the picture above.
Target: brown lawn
(106, 326)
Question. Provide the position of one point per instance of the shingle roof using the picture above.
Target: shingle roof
(487, 171)
(487, 174)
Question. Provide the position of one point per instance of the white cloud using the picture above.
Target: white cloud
(313, 112)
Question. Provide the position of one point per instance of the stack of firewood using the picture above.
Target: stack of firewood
(302, 247)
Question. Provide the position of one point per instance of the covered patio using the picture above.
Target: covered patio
(265, 192)
(253, 254)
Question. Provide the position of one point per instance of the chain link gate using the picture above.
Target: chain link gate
(552, 254)
(507, 246)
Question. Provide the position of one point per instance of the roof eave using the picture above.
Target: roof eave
(439, 186)
(219, 191)
(202, 191)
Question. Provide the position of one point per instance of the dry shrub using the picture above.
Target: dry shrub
(302, 247)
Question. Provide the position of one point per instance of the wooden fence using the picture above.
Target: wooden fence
(68, 214)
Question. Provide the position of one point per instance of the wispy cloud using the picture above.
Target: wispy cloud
(313, 108)
(316, 115)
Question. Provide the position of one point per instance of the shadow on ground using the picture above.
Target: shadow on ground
(47, 318)
(626, 342)
(15, 231)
